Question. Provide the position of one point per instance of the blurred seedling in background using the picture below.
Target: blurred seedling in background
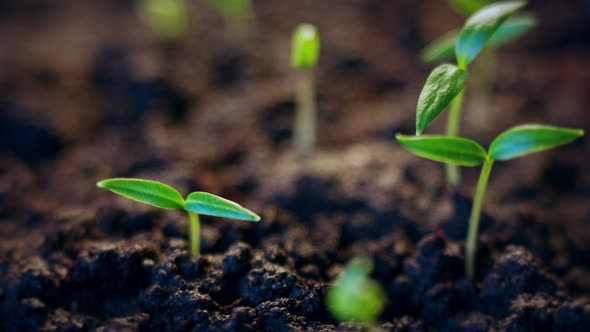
(513, 143)
(164, 196)
(168, 20)
(305, 53)
(239, 15)
(446, 84)
(354, 296)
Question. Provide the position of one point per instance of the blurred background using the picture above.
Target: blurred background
(89, 90)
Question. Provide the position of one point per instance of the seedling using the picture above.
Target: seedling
(168, 19)
(446, 84)
(305, 53)
(164, 196)
(513, 143)
(354, 296)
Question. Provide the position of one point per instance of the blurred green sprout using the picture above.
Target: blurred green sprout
(237, 14)
(305, 53)
(354, 296)
(165, 197)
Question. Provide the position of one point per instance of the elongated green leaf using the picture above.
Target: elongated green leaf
(208, 204)
(511, 29)
(145, 191)
(452, 150)
(526, 139)
(442, 86)
(480, 27)
(468, 7)
(442, 49)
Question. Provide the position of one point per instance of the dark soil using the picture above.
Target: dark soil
(86, 94)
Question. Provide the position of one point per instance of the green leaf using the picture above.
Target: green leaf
(208, 204)
(468, 7)
(480, 27)
(511, 29)
(451, 150)
(441, 49)
(145, 191)
(305, 48)
(442, 86)
(526, 139)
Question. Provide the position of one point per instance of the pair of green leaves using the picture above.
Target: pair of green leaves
(515, 142)
(164, 196)
(443, 48)
(447, 81)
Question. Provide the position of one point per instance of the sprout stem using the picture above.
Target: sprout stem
(453, 175)
(305, 117)
(471, 244)
(194, 236)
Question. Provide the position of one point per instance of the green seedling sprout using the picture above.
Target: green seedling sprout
(239, 15)
(168, 19)
(354, 296)
(305, 53)
(446, 84)
(513, 143)
(164, 196)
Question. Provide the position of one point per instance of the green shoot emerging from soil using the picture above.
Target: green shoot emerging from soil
(489, 26)
(513, 143)
(354, 296)
(305, 53)
(168, 19)
(163, 196)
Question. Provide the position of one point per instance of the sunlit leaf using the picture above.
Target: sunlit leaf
(526, 139)
(212, 205)
(145, 191)
(468, 7)
(452, 150)
(511, 29)
(480, 27)
(442, 86)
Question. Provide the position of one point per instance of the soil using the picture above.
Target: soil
(86, 94)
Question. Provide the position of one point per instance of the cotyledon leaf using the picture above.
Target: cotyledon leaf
(452, 150)
(526, 139)
(145, 191)
(212, 205)
(442, 86)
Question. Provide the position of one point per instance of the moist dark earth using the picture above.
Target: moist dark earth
(87, 93)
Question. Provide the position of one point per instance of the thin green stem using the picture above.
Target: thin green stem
(453, 175)
(472, 233)
(194, 236)
(305, 116)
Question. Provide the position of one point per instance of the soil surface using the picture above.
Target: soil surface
(86, 93)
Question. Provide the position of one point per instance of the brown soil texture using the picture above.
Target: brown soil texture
(87, 94)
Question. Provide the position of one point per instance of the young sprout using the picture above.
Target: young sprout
(477, 32)
(164, 196)
(239, 15)
(513, 143)
(168, 19)
(305, 53)
(354, 296)
(468, 7)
